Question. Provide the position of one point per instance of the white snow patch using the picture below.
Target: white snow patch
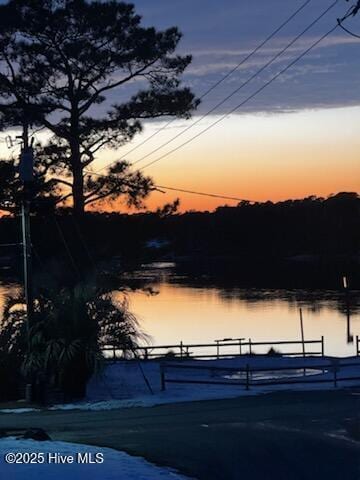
(19, 410)
(116, 465)
(122, 384)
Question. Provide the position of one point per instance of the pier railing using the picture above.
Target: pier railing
(220, 349)
(332, 373)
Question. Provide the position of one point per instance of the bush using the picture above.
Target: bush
(273, 352)
(70, 326)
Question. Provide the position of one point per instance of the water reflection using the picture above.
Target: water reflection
(199, 310)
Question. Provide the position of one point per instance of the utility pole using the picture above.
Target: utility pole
(302, 332)
(349, 336)
(26, 176)
(302, 337)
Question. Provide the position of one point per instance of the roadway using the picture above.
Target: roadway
(283, 436)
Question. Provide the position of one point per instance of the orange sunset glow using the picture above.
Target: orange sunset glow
(254, 157)
(179, 239)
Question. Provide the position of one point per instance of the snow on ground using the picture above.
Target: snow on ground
(18, 410)
(122, 384)
(115, 466)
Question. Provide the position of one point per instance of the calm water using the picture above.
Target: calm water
(200, 311)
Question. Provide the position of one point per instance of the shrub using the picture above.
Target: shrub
(63, 347)
(273, 352)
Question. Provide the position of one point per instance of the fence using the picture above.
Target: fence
(331, 374)
(217, 349)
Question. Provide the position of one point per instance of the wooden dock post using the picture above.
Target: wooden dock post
(335, 365)
(162, 378)
(250, 350)
(302, 333)
(322, 346)
(247, 377)
(302, 338)
(335, 376)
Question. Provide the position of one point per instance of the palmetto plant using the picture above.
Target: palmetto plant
(70, 326)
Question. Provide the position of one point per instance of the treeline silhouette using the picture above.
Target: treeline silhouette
(307, 243)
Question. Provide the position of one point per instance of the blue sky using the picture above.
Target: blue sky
(219, 34)
(299, 137)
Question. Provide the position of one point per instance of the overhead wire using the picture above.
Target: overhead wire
(11, 244)
(67, 248)
(348, 31)
(220, 81)
(244, 102)
(83, 241)
(272, 79)
(353, 10)
(254, 94)
(205, 194)
(241, 86)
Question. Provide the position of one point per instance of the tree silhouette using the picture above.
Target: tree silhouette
(73, 324)
(64, 65)
(45, 192)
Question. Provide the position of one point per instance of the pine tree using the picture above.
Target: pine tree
(68, 66)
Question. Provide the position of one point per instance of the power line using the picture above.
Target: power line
(205, 194)
(83, 241)
(37, 255)
(219, 82)
(11, 245)
(67, 248)
(281, 72)
(193, 192)
(243, 84)
(353, 10)
(347, 30)
(244, 101)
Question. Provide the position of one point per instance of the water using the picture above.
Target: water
(201, 311)
(271, 375)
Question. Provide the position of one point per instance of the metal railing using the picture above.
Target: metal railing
(217, 349)
(248, 372)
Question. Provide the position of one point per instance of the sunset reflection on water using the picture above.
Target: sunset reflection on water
(201, 315)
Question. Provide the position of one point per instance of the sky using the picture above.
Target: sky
(297, 137)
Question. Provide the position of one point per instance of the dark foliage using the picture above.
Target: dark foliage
(63, 348)
(310, 242)
(63, 66)
(45, 193)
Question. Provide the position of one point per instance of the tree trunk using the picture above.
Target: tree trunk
(78, 176)
(78, 190)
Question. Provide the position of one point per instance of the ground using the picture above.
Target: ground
(282, 436)
(56, 460)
